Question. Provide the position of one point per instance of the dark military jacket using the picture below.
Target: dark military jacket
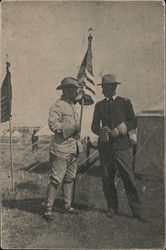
(111, 114)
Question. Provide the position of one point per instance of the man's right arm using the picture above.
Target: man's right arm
(59, 122)
(55, 119)
(95, 127)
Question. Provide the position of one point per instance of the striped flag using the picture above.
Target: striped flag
(6, 96)
(85, 76)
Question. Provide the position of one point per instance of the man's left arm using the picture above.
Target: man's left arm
(95, 127)
(131, 121)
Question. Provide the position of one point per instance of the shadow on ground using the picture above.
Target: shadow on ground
(28, 205)
(29, 185)
(36, 206)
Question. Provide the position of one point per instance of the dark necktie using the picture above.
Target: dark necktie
(110, 99)
(108, 109)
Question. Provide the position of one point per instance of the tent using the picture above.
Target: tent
(16, 134)
(44, 131)
(3, 133)
(7, 134)
(150, 144)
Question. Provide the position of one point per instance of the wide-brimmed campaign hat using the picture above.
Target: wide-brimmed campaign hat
(108, 79)
(68, 81)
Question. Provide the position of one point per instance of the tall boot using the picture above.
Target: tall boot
(50, 197)
(67, 193)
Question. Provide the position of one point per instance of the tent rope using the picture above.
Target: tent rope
(43, 159)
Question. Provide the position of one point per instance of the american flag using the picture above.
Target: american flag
(6, 96)
(85, 76)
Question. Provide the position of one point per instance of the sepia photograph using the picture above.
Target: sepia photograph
(82, 124)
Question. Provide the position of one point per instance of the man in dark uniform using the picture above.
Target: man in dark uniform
(112, 120)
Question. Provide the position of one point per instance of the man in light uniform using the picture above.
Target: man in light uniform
(64, 122)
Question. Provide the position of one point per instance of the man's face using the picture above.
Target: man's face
(70, 92)
(108, 90)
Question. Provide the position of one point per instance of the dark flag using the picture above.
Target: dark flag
(6, 96)
(85, 76)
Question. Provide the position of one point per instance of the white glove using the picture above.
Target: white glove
(115, 132)
(133, 136)
(122, 128)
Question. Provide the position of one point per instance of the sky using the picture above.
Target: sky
(47, 40)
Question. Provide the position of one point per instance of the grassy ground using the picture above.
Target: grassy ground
(24, 227)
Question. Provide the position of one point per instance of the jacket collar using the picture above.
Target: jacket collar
(63, 98)
(113, 97)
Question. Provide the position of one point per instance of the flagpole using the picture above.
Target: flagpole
(10, 129)
(82, 103)
(82, 108)
(11, 157)
(81, 115)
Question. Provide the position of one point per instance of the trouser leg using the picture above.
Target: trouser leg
(108, 174)
(68, 181)
(67, 193)
(134, 156)
(123, 160)
(58, 169)
(50, 196)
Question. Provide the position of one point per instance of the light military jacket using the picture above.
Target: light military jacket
(63, 120)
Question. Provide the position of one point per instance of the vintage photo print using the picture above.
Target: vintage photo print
(82, 124)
